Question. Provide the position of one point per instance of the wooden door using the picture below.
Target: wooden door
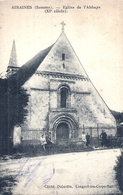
(62, 132)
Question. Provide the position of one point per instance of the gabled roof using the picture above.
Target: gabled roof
(30, 67)
(62, 59)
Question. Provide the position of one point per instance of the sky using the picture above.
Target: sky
(95, 34)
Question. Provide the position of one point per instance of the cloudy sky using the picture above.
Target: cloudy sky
(95, 34)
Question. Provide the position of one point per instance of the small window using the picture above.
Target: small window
(63, 56)
(63, 65)
(63, 96)
(64, 93)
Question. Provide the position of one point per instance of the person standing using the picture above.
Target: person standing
(87, 140)
(48, 139)
(43, 141)
(103, 136)
(84, 137)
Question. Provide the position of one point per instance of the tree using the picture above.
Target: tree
(117, 115)
(119, 171)
(13, 102)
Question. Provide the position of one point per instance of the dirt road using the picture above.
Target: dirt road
(75, 174)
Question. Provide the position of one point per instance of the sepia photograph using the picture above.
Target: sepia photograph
(61, 97)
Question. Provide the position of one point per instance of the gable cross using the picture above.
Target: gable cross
(63, 24)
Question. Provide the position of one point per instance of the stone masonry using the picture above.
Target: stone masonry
(63, 99)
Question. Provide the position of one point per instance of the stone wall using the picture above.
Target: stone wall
(85, 106)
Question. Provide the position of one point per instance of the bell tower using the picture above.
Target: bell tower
(13, 63)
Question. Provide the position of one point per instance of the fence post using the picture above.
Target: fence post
(98, 132)
(83, 128)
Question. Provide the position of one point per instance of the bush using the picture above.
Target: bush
(119, 171)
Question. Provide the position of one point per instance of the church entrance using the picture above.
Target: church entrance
(62, 131)
(64, 128)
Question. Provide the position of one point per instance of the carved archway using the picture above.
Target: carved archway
(63, 120)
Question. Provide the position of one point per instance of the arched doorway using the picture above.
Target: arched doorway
(64, 127)
(62, 131)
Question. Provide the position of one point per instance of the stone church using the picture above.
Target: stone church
(62, 100)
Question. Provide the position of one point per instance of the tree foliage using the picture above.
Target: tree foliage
(13, 102)
(118, 116)
(119, 171)
(119, 119)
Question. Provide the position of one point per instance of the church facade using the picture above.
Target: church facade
(63, 100)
